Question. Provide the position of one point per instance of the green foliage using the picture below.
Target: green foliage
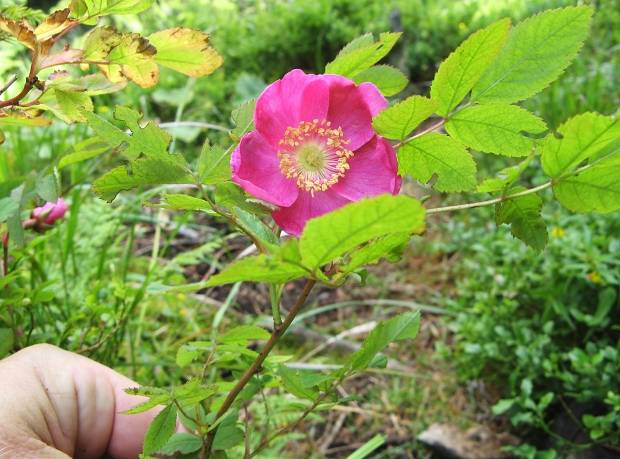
(399, 120)
(496, 128)
(361, 54)
(160, 430)
(523, 215)
(550, 40)
(389, 80)
(458, 74)
(328, 237)
(437, 154)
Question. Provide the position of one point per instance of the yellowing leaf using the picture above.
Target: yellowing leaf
(22, 31)
(54, 24)
(21, 119)
(94, 8)
(186, 51)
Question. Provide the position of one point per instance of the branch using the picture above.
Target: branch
(256, 365)
(489, 202)
(31, 81)
(431, 128)
(12, 80)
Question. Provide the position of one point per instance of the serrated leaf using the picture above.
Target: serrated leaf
(194, 392)
(401, 327)
(523, 215)
(496, 128)
(389, 80)
(185, 50)
(213, 164)
(355, 59)
(260, 268)
(400, 119)
(504, 178)
(71, 106)
(94, 8)
(596, 189)
(227, 436)
(160, 430)
(143, 171)
(181, 443)
(151, 403)
(253, 225)
(536, 53)
(149, 140)
(582, 137)
(294, 383)
(458, 74)
(332, 235)
(437, 154)
(127, 55)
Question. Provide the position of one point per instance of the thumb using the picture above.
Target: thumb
(54, 398)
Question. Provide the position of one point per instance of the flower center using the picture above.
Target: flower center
(314, 154)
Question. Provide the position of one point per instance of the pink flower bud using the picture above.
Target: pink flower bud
(50, 212)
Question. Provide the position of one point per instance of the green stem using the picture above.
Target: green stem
(274, 292)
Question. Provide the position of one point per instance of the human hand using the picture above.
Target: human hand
(55, 404)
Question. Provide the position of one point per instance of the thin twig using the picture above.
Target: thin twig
(489, 202)
(256, 365)
(12, 80)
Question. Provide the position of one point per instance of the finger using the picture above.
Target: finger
(74, 403)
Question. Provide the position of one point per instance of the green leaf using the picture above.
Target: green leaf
(362, 55)
(523, 215)
(149, 140)
(160, 430)
(581, 138)
(93, 8)
(71, 105)
(402, 327)
(437, 154)
(213, 164)
(596, 189)
(87, 149)
(243, 334)
(227, 436)
(504, 178)
(389, 80)
(254, 226)
(368, 448)
(243, 119)
(126, 55)
(496, 128)
(260, 268)
(143, 171)
(8, 207)
(332, 235)
(186, 202)
(374, 251)
(458, 74)
(6, 341)
(181, 443)
(295, 383)
(536, 53)
(185, 50)
(20, 119)
(194, 392)
(151, 403)
(229, 195)
(399, 120)
(47, 188)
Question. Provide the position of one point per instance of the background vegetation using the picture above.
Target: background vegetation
(512, 338)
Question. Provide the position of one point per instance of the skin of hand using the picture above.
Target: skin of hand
(56, 405)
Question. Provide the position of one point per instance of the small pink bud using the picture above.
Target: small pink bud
(50, 212)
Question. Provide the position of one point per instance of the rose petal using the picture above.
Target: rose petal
(296, 97)
(374, 99)
(256, 169)
(293, 219)
(372, 171)
(349, 110)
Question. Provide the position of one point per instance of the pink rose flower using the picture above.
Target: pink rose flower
(314, 148)
(50, 212)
